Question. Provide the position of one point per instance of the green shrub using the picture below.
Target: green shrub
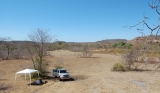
(34, 76)
(119, 67)
(58, 66)
(122, 45)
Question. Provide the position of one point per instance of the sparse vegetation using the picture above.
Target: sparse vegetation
(59, 63)
(86, 52)
(58, 45)
(92, 69)
(6, 48)
(122, 45)
(146, 44)
(4, 86)
(37, 49)
(116, 51)
(119, 67)
(97, 67)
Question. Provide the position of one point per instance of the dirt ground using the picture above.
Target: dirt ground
(89, 75)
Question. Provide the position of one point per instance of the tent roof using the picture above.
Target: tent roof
(26, 71)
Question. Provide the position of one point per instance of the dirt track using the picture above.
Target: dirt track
(90, 75)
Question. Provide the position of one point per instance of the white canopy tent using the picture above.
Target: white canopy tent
(26, 71)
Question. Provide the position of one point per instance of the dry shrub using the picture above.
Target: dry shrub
(86, 54)
(86, 51)
(134, 55)
(116, 51)
(4, 86)
(75, 48)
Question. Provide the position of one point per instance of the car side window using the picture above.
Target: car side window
(54, 70)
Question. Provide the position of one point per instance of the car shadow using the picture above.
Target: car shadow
(73, 78)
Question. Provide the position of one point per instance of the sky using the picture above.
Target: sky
(74, 20)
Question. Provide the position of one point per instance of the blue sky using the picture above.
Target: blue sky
(74, 20)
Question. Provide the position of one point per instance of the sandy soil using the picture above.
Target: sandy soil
(90, 75)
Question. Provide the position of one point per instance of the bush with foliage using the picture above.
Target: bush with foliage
(122, 45)
(58, 66)
(59, 63)
(119, 67)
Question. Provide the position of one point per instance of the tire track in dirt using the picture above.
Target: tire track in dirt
(54, 87)
(46, 87)
(64, 88)
(111, 87)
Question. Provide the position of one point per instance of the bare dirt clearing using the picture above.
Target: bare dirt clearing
(91, 75)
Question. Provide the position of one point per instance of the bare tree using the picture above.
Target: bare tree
(150, 39)
(6, 48)
(86, 52)
(30, 48)
(37, 48)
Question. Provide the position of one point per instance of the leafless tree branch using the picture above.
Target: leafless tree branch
(154, 30)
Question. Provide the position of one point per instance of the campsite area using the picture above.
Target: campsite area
(90, 75)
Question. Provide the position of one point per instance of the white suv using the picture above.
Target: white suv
(62, 74)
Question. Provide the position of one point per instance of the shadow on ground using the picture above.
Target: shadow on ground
(73, 78)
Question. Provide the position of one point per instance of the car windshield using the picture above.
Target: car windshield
(63, 71)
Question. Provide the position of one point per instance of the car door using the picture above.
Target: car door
(55, 72)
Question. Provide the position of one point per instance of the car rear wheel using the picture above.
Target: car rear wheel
(60, 79)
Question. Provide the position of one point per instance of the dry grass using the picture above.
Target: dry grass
(90, 75)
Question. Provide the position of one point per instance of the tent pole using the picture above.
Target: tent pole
(38, 73)
(25, 76)
(30, 78)
(15, 78)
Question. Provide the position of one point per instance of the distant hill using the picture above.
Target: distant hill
(101, 41)
(112, 41)
(17, 42)
(144, 38)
